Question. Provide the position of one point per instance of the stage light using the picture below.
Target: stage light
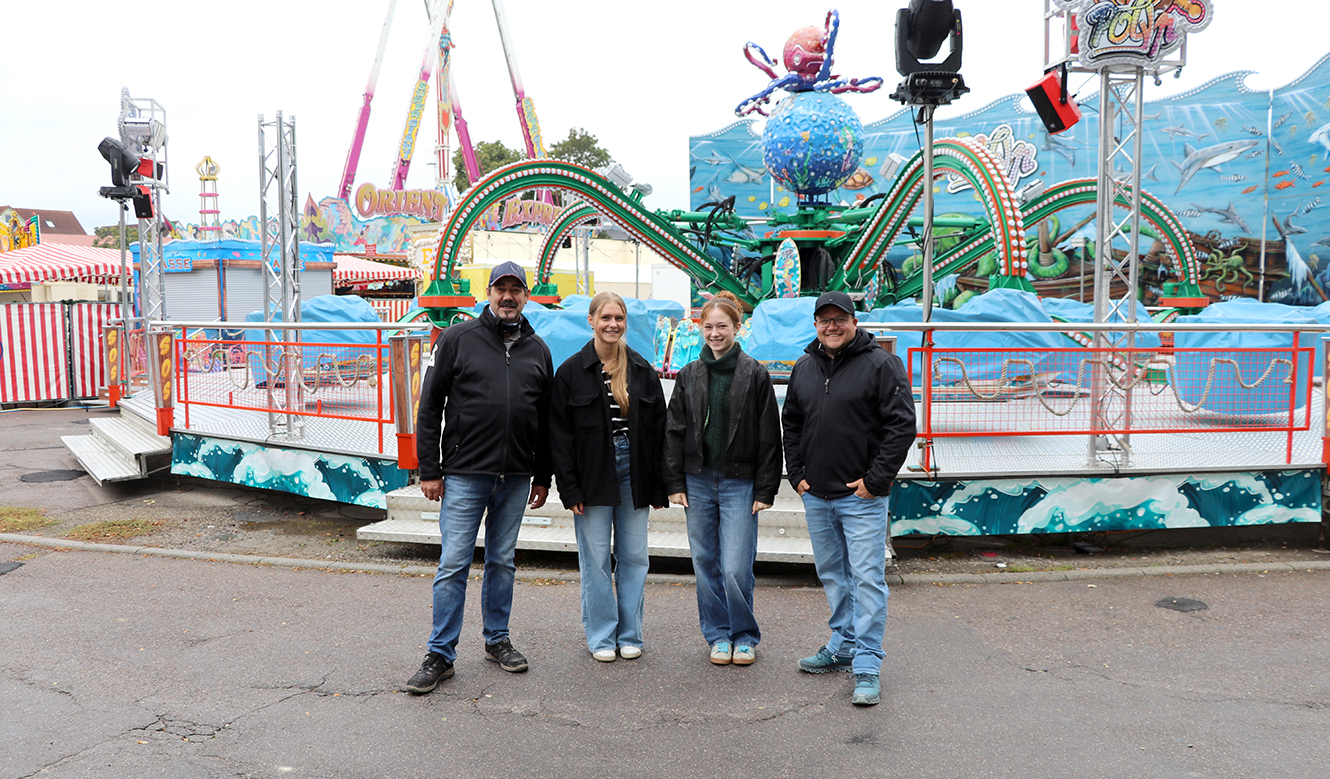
(124, 163)
(921, 29)
(927, 25)
(615, 172)
(148, 132)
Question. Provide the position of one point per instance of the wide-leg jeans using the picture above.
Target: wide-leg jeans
(613, 535)
(722, 538)
(502, 501)
(849, 536)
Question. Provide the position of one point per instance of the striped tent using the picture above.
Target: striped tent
(59, 262)
(352, 269)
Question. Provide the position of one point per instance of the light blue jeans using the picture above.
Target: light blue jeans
(849, 537)
(465, 500)
(722, 537)
(612, 607)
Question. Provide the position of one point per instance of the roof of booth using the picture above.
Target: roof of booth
(353, 269)
(58, 262)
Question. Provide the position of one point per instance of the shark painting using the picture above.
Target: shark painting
(1321, 135)
(1229, 215)
(1209, 157)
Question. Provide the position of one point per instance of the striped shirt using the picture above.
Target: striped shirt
(618, 419)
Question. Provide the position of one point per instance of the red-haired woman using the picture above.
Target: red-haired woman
(723, 463)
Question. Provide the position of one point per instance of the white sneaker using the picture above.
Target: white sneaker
(721, 653)
(604, 655)
(630, 652)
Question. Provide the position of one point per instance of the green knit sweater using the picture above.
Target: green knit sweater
(715, 432)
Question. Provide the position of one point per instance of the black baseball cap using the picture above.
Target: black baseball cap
(838, 299)
(508, 269)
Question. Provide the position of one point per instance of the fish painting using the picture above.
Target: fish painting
(1280, 122)
(1297, 171)
(1281, 173)
(1278, 149)
(1209, 157)
(1252, 130)
(1233, 177)
(1249, 190)
(1285, 184)
(1255, 154)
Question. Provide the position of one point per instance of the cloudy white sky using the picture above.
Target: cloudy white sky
(642, 77)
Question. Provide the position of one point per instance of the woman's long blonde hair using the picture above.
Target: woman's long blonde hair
(617, 368)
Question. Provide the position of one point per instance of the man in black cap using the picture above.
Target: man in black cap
(482, 441)
(849, 424)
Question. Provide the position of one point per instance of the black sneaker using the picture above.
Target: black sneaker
(509, 659)
(432, 671)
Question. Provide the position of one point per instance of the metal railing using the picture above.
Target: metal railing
(238, 366)
(1071, 390)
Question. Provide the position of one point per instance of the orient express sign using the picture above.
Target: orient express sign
(430, 204)
(433, 205)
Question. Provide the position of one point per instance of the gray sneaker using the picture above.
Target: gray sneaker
(867, 690)
(825, 661)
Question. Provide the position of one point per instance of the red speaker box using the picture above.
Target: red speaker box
(1055, 110)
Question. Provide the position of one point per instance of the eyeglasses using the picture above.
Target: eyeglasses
(840, 321)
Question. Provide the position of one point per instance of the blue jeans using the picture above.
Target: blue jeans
(722, 537)
(465, 500)
(612, 609)
(849, 537)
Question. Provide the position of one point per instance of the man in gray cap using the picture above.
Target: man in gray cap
(849, 424)
(482, 439)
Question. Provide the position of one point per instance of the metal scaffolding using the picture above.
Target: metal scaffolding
(279, 217)
(142, 127)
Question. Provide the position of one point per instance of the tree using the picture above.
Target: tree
(581, 148)
(490, 155)
(109, 237)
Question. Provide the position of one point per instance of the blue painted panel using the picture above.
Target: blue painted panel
(1075, 504)
(355, 480)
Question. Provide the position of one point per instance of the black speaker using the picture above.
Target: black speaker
(1055, 109)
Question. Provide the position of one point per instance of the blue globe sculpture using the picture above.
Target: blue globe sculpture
(812, 142)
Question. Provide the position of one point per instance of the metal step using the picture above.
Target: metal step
(782, 529)
(551, 537)
(130, 439)
(102, 462)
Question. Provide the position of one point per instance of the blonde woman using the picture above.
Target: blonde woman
(607, 428)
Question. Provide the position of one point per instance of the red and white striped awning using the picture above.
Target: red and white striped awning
(59, 262)
(354, 270)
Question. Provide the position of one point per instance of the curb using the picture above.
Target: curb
(1029, 577)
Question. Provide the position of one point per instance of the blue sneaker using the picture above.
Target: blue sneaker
(867, 690)
(825, 661)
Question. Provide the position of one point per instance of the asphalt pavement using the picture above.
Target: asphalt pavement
(117, 665)
(197, 662)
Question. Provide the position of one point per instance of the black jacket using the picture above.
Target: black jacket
(753, 450)
(494, 404)
(847, 418)
(583, 451)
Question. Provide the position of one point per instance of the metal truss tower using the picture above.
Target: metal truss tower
(1074, 42)
(279, 219)
(142, 127)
